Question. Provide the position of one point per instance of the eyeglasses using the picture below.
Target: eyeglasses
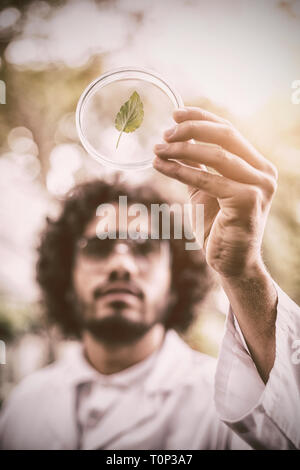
(95, 247)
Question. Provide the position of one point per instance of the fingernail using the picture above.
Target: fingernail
(168, 133)
(158, 163)
(160, 147)
(181, 111)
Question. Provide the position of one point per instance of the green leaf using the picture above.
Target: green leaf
(130, 116)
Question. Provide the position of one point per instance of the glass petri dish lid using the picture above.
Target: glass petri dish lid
(116, 103)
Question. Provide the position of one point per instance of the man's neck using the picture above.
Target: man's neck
(111, 359)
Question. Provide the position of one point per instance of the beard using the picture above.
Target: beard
(116, 329)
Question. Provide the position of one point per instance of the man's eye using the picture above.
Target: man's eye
(146, 246)
(94, 246)
(93, 243)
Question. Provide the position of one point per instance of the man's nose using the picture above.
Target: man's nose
(121, 263)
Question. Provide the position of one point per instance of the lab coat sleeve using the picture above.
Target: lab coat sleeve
(265, 416)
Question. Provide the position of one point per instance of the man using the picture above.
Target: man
(133, 383)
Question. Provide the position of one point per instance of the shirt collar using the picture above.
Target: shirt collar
(152, 371)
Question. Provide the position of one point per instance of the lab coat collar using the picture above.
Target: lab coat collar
(170, 367)
(165, 367)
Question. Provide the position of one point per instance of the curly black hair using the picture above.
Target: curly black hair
(191, 277)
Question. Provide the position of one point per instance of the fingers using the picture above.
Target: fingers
(213, 185)
(182, 114)
(215, 156)
(203, 126)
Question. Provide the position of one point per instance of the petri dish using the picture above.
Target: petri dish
(100, 104)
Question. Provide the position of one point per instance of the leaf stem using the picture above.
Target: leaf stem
(119, 138)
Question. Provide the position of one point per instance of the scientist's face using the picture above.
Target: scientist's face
(122, 286)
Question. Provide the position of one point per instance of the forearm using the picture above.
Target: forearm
(253, 299)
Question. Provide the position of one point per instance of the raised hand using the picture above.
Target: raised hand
(237, 200)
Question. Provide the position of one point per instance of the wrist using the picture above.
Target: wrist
(251, 271)
(253, 295)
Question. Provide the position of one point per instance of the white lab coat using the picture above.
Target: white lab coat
(174, 399)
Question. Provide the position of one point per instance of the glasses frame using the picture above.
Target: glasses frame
(117, 241)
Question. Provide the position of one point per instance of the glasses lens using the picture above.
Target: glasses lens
(101, 248)
(145, 246)
(95, 247)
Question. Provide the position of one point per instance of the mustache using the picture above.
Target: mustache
(117, 286)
